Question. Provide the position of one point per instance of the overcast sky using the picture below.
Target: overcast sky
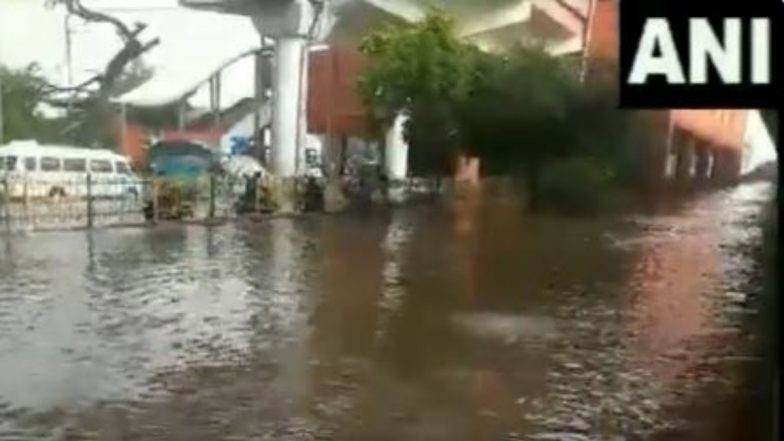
(190, 40)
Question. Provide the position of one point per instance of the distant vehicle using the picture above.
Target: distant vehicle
(242, 166)
(180, 158)
(36, 170)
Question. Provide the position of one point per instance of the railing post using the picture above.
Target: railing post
(211, 213)
(6, 206)
(89, 200)
(155, 202)
(257, 193)
(25, 199)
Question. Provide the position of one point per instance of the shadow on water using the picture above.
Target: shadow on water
(471, 321)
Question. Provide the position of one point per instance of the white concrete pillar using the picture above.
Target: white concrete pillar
(396, 151)
(286, 104)
(302, 129)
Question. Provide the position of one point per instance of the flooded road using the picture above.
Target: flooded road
(475, 322)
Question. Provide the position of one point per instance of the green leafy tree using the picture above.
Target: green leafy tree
(527, 109)
(22, 92)
(602, 131)
(420, 70)
(514, 117)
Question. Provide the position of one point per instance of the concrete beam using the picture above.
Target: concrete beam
(496, 19)
(563, 16)
(278, 19)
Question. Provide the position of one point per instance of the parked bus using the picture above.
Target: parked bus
(32, 170)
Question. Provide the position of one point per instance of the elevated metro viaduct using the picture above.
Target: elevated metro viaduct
(314, 90)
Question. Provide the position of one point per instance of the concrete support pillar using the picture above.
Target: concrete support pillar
(302, 128)
(702, 168)
(685, 166)
(396, 153)
(330, 155)
(215, 100)
(396, 160)
(714, 171)
(656, 134)
(181, 106)
(727, 166)
(289, 24)
(258, 93)
(286, 105)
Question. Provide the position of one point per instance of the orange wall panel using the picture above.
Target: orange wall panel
(132, 142)
(722, 127)
(603, 40)
(334, 104)
(206, 136)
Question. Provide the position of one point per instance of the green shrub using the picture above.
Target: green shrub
(576, 186)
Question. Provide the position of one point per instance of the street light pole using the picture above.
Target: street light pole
(68, 60)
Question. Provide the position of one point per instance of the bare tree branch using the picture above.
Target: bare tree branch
(52, 88)
(132, 49)
(77, 8)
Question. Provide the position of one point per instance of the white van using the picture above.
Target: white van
(33, 170)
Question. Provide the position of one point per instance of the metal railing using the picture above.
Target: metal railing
(31, 203)
(36, 204)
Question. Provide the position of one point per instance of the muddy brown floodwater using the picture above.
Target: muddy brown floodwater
(473, 322)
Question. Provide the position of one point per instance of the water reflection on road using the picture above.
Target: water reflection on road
(468, 323)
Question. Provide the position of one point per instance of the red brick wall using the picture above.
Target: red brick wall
(334, 105)
(132, 144)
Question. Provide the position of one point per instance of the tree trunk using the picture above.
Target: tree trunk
(532, 178)
(343, 154)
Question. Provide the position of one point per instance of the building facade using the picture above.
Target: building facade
(335, 110)
(681, 145)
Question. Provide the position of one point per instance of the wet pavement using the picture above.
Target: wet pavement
(474, 322)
